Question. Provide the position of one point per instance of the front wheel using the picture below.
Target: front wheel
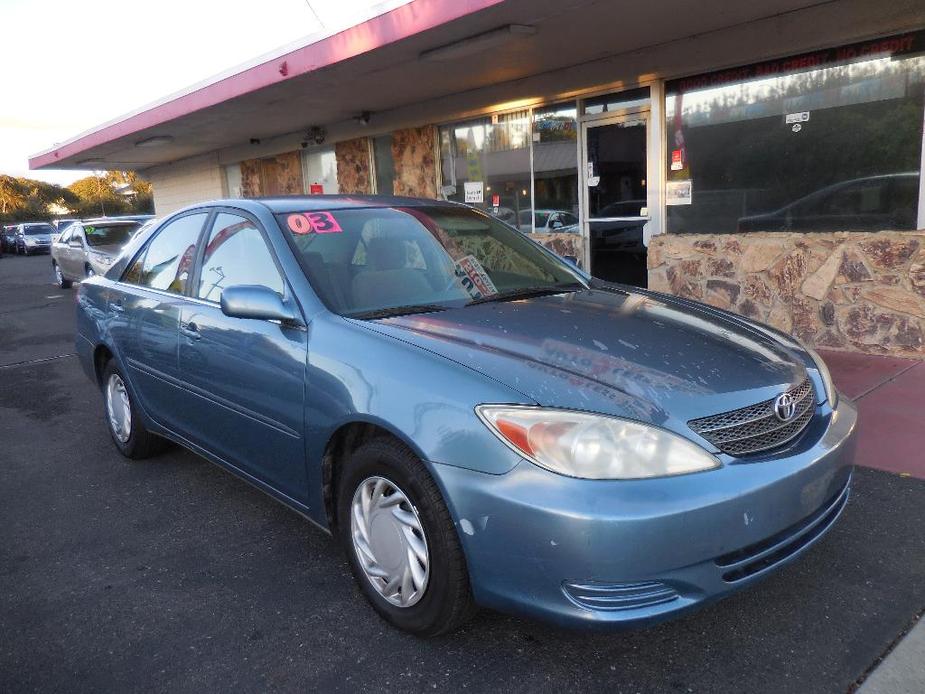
(125, 426)
(400, 540)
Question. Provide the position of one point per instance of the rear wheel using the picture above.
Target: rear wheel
(124, 420)
(59, 277)
(401, 541)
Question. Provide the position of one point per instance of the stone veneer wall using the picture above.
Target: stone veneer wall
(353, 166)
(414, 153)
(279, 175)
(861, 292)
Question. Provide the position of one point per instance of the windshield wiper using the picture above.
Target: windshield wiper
(392, 311)
(527, 292)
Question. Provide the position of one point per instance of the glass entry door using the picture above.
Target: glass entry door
(615, 178)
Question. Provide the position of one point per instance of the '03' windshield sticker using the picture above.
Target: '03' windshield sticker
(473, 277)
(313, 223)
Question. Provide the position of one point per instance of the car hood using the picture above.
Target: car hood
(625, 353)
(37, 237)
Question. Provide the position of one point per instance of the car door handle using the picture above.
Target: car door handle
(191, 330)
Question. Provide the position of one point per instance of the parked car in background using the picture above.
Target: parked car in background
(400, 372)
(89, 248)
(34, 237)
(548, 222)
(864, 204)
(8, 238)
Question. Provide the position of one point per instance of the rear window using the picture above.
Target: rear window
(110, 234)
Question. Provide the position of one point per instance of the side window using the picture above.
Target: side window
(169, 257)
(66, 235)
(133, 274)
(236, 254)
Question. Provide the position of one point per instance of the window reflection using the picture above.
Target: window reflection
(169, 257)
(236, 254)
(492, 155)
(555, 167)
(826, 149)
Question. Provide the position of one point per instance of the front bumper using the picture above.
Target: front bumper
(627, 553)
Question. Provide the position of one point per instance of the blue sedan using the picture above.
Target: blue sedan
(479, 422)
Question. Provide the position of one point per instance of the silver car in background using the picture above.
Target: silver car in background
(33, 237)
(89, 248)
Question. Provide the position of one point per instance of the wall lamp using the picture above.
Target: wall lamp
(155, 141)
(477, 43)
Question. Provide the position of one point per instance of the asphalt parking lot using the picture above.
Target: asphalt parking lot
(171, 575)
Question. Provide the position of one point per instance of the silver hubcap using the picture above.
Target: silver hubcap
(58, 275)
(118, 408)
(389, 541)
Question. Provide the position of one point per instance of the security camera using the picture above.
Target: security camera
(315, 134)
(363, 118)
(304, 144)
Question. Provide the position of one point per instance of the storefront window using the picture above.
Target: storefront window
(233, 181)
(385, 166)
(320, 171)
(617, 102)
(822, 142)
(486, 163)
(555, 169)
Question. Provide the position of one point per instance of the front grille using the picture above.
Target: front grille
(756, 428)
(760, 556)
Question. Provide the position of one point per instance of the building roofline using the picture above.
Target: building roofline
(278, 66)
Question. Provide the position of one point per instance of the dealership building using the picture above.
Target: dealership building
(764, 157)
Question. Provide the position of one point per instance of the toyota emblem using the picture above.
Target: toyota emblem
(785, 407)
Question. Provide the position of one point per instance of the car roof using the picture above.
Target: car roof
(309, 203)
(100, 221)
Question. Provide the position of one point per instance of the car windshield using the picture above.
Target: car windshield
(38, 229)
(110, 234)
(370, 262)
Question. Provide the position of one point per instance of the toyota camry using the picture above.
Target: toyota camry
(477, 421)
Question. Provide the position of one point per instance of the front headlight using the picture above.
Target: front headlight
(590, 446)
(830, 393)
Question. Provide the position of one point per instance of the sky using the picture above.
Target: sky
(69, 65)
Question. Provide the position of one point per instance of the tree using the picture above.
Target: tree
(97, 197)
(111, 193)
(24, 199)
(12, 194)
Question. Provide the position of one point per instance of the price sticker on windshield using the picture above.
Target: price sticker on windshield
(313, 223)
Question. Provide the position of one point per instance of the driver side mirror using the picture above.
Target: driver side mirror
(259, 303)
(557, 225)
(75, 243)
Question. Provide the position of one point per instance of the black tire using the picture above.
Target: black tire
(447, 600)
(141, 443)
(59, 277)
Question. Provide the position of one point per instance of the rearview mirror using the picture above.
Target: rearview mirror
(257, 302)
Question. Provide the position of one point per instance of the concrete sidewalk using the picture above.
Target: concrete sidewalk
(890, 394)
(903, 670)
